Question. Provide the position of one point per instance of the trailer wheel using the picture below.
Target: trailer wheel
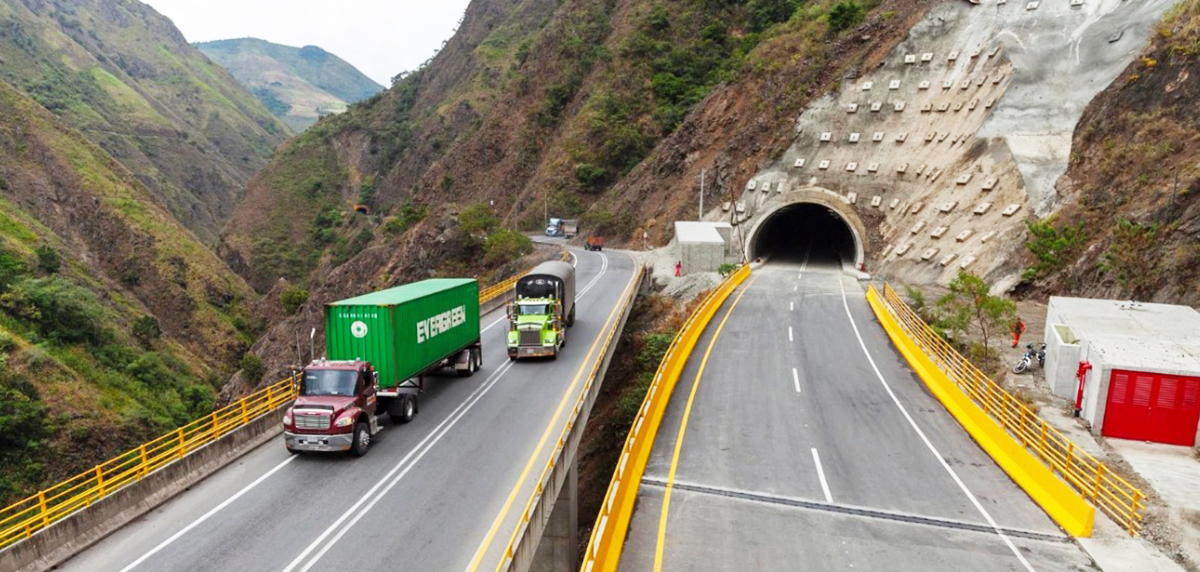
(571, 317)
(408, 410)
(362, 439)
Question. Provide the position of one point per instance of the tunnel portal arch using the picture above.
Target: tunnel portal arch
(835, 203)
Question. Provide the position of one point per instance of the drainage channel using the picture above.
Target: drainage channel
(854, 510)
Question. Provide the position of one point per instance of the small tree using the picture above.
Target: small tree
(252, 368)
(293, 298)
(970, 306)
(478, 217)
(845, 15)
(504, 246)
(146, 330)
(48, 259)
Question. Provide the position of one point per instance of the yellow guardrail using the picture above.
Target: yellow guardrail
(563, 436)
(608, 534)
(25, 517)
(22, 519)
(1021, 442)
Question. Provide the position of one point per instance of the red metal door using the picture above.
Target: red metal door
(1153, 407)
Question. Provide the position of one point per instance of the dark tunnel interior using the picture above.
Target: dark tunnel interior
(791, 232)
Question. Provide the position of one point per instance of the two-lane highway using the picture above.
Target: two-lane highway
(798, 439)
(429, 495)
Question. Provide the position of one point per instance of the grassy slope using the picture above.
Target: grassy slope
(600, 107)
(67, 353)
(309, 79)
(125, 77)
(1134, 181)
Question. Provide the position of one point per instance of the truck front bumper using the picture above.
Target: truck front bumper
(532, 351)
(323, 443)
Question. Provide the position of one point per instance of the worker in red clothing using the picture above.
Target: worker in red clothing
(679, 268)
(1018, 328)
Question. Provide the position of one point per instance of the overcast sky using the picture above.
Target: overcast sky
(380, 37)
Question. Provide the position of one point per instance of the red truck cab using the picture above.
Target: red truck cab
(334, 408)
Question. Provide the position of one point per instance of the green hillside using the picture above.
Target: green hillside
(298, 85)
(126, 78)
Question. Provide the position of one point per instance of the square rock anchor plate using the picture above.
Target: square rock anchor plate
(895, 203)
(823, 165)
(948, 84)
(916, 208)
(987, 236)
(854, 137)
(947, 259)
(989, 184)
(902, 249)
(752, 185)
(766, 187)
(923, 85)
(927, 57)
(876, 200)
(982, 208)
(876, 106)
(867, 85)
(852, 198)
(852, 166)
(877, 136)
(1011, 210)
(894, 84)
(899, 106)
(963, 179)
(902, 167)
(918, 227)
(853, 107)
(873, 167)
(948, 206)
(826, 136)
(910, 59)
(953, 56)
(926, 107)
(967, 262)
(929, 254)
(939, 232)
(799, 163)
(901, 137)
(964, 235)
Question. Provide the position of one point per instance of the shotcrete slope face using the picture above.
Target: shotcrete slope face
(957, 137)
(805, 230)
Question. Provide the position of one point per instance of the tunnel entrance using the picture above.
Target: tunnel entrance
(793, 230)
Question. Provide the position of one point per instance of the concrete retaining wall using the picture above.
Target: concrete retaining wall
(51, 546)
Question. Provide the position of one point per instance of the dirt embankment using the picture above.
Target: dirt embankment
(1129, 221)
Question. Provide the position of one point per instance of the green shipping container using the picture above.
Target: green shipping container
(403, 331)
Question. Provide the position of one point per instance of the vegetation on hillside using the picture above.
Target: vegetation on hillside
(297, 85)
(1130, 227)
(123, 76)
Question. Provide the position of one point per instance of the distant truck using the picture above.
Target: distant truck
(379, 348)
(564, 227)
(594, 243)
(542, 309)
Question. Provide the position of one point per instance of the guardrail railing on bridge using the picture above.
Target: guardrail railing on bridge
(612, 524)
(27, 516)
(1094, 481)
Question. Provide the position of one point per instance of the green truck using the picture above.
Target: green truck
(379, 348)
(543, 308)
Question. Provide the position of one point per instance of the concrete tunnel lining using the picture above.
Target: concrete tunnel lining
(795, 205)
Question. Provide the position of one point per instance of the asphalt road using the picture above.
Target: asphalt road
(802, 453)
(429, 495)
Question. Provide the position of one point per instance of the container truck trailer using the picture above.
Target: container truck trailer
(543, 308)
(378, 349)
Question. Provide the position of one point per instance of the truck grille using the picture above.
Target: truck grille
(319, 422)
(531, 337)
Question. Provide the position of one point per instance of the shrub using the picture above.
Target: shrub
(293, 298)
(11, 269)
(478, 217)
(66, 312)
(590, 175)
(727, 268)
(1053, 246)
(969, 305)
(146, 330)
(407, 217)
(845, 15)
(7, 343)
(252, 368)
(48, 259)
(505, 245)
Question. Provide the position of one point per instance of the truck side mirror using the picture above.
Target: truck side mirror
(510, 311)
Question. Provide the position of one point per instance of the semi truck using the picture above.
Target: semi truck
(594, 243)
(564, 227)
(543, 308)
(378, 350)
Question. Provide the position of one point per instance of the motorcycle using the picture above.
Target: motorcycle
(1030, 354)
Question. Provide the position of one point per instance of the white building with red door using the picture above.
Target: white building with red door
(1133, 369)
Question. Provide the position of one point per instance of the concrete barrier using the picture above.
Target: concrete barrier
(58, 542)
(1061, 503)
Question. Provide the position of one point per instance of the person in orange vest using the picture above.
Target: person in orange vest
(679, 268)
(1018, 328)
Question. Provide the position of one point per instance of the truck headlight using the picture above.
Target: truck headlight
(287, 419)
(345, 421)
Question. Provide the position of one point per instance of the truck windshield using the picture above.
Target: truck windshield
(533, 309)
(329, 382)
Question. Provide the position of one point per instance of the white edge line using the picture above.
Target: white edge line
(796, 379)
(458, 413)
(961, 485)
(790, 339)
(821, 475)
(207, 515)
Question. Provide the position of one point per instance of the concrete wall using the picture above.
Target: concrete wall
(53, 545)
(1062, 361)
(701, 256)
